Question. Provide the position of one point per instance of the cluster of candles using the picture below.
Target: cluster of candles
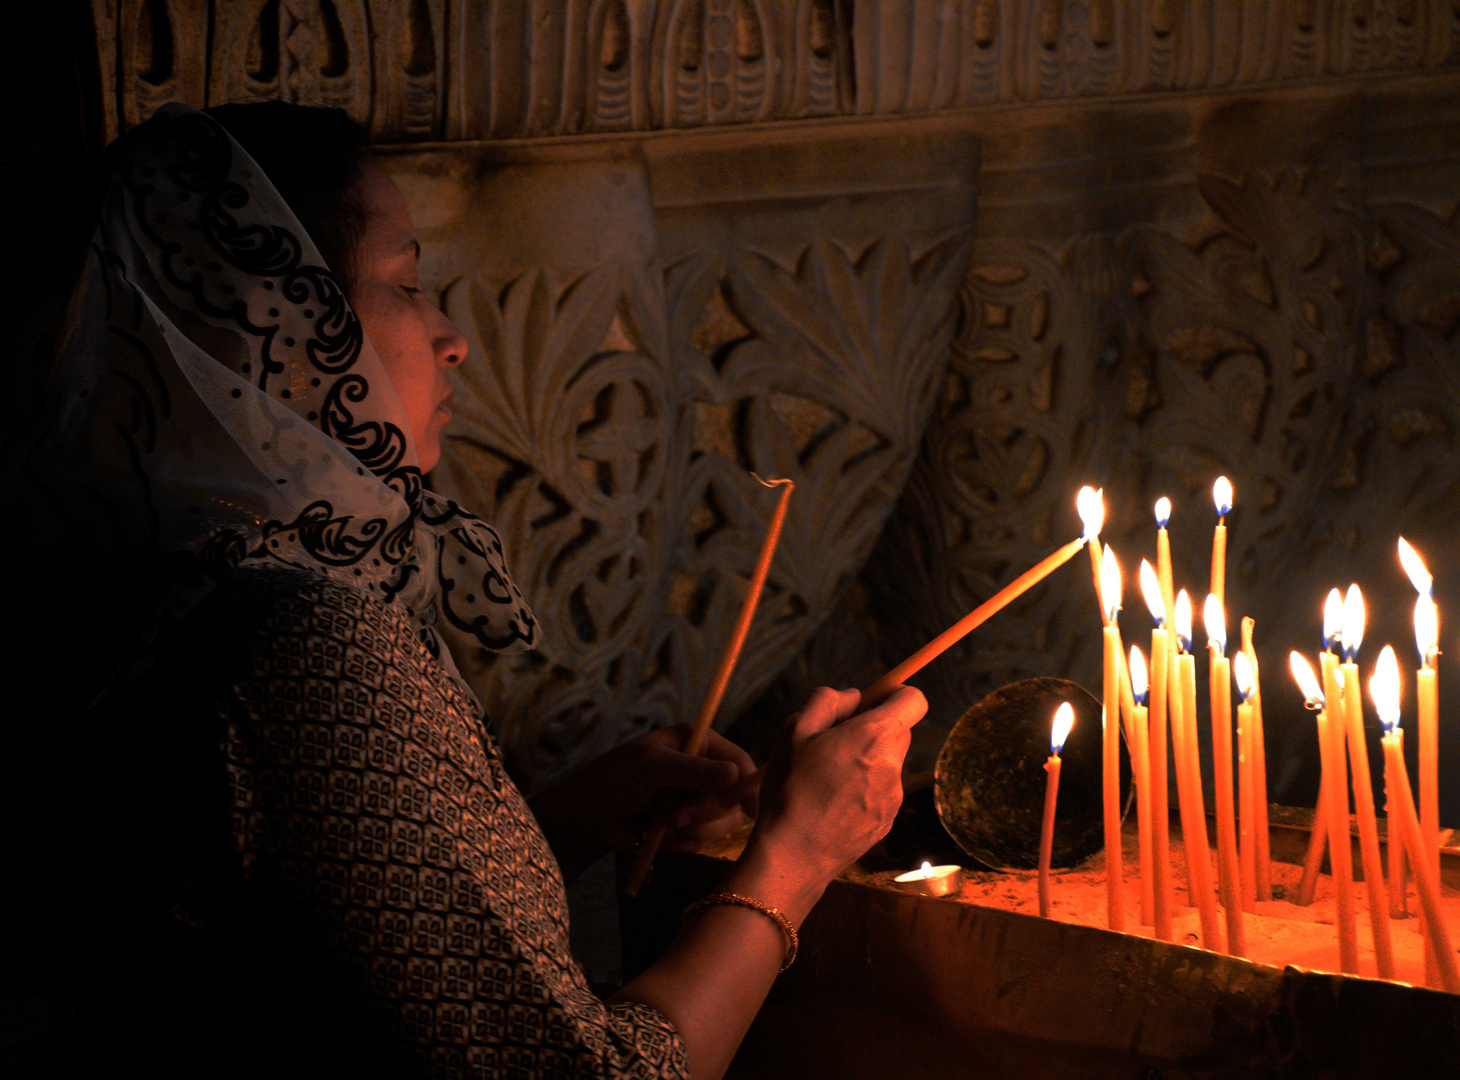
(1169, 686)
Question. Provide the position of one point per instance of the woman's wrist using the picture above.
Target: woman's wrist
(774, 875)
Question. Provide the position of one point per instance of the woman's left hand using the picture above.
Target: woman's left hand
(610, 801)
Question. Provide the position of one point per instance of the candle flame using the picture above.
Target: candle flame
(1242, 672)
(927, 870)
(1427, 630)
(1384, 688)
(1091, 507)
(1414, 566)
(1151, 589)
(1222, 496)
(1183, 621)
(1306, 680)
(1333, 621)
(1353, 622)
(1138, 676)
(1163, 511)
(1110, 585)
(1064, 720)
(1215, 620)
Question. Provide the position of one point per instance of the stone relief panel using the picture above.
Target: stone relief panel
(417, 70)
(622, 393)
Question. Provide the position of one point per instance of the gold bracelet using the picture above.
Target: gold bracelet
(735, 899)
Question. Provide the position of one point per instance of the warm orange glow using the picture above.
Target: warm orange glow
(1307, 681)
(1110, 585)
(1353, 622)
(1222, 496)
(1064, 720)
(1151, 590)
(1091, 507)
(1384, 688)
(1414, 566)
(1183, 619)
(1139, 679)
(1215, 620)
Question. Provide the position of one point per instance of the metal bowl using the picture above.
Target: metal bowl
(989, 781)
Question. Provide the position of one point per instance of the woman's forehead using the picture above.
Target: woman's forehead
(390, 230)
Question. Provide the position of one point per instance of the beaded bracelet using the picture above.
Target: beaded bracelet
(735, 899)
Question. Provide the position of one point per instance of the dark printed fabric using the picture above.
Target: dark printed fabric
(217, 392)
(369, 815)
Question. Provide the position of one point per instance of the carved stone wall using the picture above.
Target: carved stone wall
(690, 239)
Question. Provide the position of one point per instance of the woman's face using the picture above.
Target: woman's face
(416, 343)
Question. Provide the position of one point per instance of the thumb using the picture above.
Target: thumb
(824, 709)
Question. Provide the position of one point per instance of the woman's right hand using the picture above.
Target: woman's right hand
(834, 783)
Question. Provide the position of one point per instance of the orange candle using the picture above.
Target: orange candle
(1110, 718)
(1316, 698)
(1384, 687)
(644, 862)
(1221, 697)
(1161, 896)
(1064, 719)
(1222, 496)
(1188, 781)
(1335, 769)
(1163, 553)
(1353, 716)
(1140, 759)
(1259, 769)
(1246, 788)
(1427, 637)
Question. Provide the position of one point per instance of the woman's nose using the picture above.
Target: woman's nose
(451, 344)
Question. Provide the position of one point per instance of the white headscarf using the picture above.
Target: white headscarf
(226, 406)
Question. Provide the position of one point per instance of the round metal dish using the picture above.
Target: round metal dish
(989, 781)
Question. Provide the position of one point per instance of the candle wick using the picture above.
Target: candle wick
(774, 481)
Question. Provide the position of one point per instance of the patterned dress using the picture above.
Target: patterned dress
(326, 869)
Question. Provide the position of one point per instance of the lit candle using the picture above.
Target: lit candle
(1246, 788)
(1221, 698)
(931, 880)
(1188, 781)
(1335, 769)
(1163, 552)
(1317, 699)
(1318, 836)
(1064, 719)
(1384, 687)
(1358, 752)
(883, 687)
(1427, 638)
(1090, 504)
(1259, 768)
(1222, 496)
(1161, 897)
(1140, 749)
(1110, 718)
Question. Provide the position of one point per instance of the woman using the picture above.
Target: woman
(316, 862)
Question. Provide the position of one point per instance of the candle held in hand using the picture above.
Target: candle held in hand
(1064, 720)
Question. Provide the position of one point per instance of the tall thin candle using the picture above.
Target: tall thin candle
(1335, 768)
(1161, 895)
(1140, 760)
(1259, 768)
(1222, 496)
(1188, 782)
(1384, 687)
(1427, 638)
(1064, 720)
(1228, 879)
(1110, 718)
(1246, 788)
(1353, 714)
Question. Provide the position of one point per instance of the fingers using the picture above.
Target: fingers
(671, 768)
(824, 709)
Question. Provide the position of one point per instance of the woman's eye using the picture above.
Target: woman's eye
(411, 290)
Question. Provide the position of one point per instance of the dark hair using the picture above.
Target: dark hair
(314, 157)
